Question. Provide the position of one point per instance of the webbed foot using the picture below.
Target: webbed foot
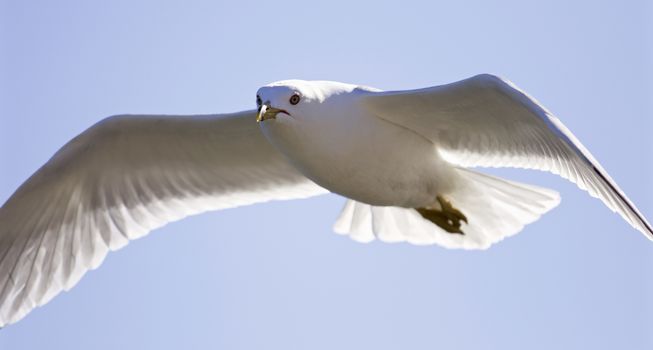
(448, 218)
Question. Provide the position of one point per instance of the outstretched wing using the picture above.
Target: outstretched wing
(122, 178)
(487, 121)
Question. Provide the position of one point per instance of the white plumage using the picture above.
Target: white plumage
(391, 153)
(122, 178)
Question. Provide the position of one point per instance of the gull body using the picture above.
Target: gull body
(331, 139)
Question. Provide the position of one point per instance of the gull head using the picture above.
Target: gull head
(280, 99)
(295, 100)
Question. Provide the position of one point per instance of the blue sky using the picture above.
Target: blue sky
(578, 278)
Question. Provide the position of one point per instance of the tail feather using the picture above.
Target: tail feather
(495, 208)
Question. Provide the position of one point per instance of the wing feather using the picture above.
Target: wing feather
(489, 122)
(122, 178)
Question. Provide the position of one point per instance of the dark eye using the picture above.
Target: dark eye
(259, 102)
(294, 99)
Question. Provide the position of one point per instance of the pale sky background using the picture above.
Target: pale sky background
(274, 276)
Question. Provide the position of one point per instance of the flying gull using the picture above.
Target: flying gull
(402, 158)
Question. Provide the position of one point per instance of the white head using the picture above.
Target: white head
(290, 101)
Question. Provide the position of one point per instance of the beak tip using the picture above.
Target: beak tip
(266, 112)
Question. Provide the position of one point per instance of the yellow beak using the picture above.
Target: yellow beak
(266, 112)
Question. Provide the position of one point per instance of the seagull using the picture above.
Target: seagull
(403, 159)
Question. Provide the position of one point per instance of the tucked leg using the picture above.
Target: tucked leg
(448, 218)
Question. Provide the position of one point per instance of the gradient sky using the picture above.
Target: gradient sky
(274, 276)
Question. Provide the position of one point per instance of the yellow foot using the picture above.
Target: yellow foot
(448, 218)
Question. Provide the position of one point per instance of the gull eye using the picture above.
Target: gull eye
(259, 102)
(294, 99)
